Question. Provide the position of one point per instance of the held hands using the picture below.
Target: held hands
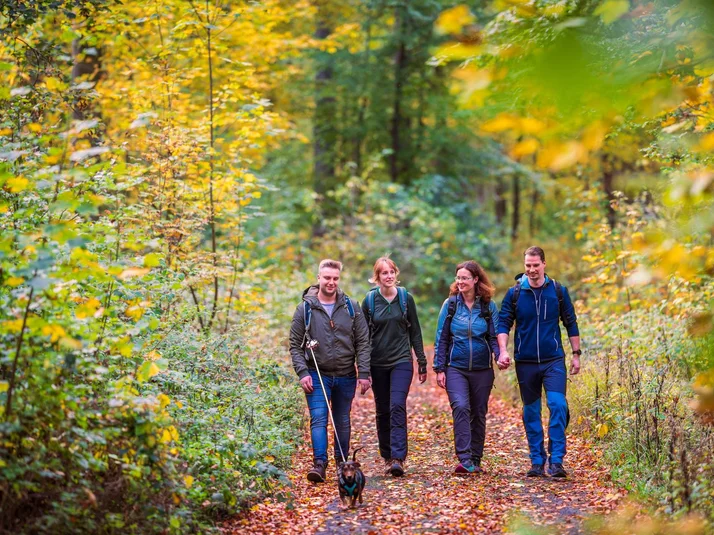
(504, 361)
(306, 384)
(441, 379)
(364, 385)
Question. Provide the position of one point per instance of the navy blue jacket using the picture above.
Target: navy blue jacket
(469, 349)
(537, 324)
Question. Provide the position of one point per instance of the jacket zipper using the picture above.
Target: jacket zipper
(471, 348)
(537, 323)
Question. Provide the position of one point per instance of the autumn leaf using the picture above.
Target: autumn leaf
(453, 20)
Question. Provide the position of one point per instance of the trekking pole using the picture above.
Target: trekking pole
(327, 401)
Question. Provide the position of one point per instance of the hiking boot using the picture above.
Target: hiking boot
(556, 470)
(536, 471)
(466, 467)
(317, 473)
(477, 467)
(397, 468)
(387, 466)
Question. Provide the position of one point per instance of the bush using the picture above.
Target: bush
(94, 451)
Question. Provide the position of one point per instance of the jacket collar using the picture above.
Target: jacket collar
(310, 295)
(525, 284)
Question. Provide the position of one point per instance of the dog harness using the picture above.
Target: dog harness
(349, 488)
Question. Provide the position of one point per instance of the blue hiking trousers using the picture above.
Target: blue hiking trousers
(533, 377)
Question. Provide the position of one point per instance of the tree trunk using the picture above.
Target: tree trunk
(516, 208)
(608, 179)
(398, 124)
(500, 205)
(532, 219)
(323, 128)
(87, 67)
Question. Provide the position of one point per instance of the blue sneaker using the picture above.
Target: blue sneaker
(466, 467)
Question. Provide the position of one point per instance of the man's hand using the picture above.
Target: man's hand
(504, 360)
(364, 385)
(575, 366)
(441, 379)
(306, 384)
(422, 378)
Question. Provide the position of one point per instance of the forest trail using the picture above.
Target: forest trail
(429, 498)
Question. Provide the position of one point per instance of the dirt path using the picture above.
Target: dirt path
(429, 498)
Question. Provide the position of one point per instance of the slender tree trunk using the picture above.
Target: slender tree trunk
(608, 179)
(500, 205)
(211, 171)
(87, 66)
(515, 220)
(532, 218)
(363, 101)
(18, 351)
(323, 126)
(400, 61)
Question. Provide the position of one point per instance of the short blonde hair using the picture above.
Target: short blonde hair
(377, 266)
(332, 264)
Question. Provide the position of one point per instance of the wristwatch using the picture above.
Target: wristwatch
(577, 352)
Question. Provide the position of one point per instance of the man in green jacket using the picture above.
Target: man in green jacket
(340, 340)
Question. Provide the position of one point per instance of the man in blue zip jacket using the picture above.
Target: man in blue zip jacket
(537, 304)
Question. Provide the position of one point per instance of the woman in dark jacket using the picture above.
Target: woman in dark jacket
(465, 342)
(392, 316)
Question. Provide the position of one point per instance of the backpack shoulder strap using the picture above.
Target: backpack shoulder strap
(350, 308)
(451, 310)
(485, 310)
(516, 293)
(402, 296)
(370, 302)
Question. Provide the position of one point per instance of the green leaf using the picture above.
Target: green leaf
(147, 370)
(152, 260)
(611, 10)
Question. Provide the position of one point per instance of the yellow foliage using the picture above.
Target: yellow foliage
(611, 10)
(559, 156)
(16, 184)
(524, 148)
(164, 400)
(453, 20)
(88, 309)
(14, 281)
(55, 332)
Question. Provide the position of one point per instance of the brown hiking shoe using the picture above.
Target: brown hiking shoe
(397, 468)
(317, 473)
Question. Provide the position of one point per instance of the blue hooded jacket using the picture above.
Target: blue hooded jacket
(537, 336)
(470, 347)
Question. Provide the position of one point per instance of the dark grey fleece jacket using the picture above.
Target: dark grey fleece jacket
(343, 341)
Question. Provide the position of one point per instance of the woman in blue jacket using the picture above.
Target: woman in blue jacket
(465, 343)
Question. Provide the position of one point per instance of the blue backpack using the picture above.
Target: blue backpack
(401, 297)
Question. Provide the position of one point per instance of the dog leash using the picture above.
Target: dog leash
(327, 401)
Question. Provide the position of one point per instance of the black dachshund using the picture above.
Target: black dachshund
(351, 481)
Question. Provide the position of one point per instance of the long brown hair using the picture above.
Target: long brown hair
(483, 288)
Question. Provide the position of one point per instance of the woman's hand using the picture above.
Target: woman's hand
(422, 378)
(441, 379)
